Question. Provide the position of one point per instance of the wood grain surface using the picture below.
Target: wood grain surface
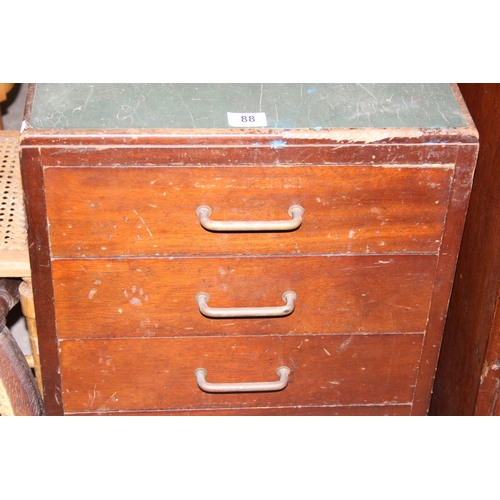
(159, 373)
(40, 262)
(389, 410)
(468, 375)
(119, 254)
(155, 297)
(99, 150)
(152, 211)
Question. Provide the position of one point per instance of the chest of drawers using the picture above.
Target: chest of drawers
(296, 261)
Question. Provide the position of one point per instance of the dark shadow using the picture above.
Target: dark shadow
(11, 97)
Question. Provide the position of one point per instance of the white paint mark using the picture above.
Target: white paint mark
(344, 345)
(110, 398)
(326, 351)
(24, 126)
(353, 135)
(92, 292)
(144, 222)
(135, 301)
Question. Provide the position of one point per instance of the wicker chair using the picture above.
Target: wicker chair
(19, 394)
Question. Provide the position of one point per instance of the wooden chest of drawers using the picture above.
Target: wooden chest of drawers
(298, 260)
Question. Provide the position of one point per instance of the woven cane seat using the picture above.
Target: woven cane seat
(14, 259)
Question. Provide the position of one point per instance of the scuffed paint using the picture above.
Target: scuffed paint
(352, 135)
(278, 144)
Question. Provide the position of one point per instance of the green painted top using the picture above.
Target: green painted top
(268, 105)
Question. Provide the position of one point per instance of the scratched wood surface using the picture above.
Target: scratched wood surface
(125, 151)
(40, 262)
(467, 380)
(383, 209)
(355, 369)
(399, 410)
(133, 298)
(488, 402)
(389, 307)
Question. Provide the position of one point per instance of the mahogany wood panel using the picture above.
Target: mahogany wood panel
(152, 211)
(282, 411)
(123, 295)
(156, 297)
(455, 219)
(38, 241)
(468, 370)
(128, 374)
(270, 152)
(488, 401)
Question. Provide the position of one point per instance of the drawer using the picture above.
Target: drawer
(151, 211)
(140, 374)
(107, 298)
(283, 411)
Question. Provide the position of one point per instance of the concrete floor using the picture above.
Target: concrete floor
(12, 115)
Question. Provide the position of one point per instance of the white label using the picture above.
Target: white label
(246, 119)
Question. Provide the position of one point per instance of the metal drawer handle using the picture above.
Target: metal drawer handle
(282, 371)
(295, 211)
(289, 297)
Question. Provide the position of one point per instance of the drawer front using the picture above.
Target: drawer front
(283, 411)
(151, 211)
(156, 297)
(141, 374)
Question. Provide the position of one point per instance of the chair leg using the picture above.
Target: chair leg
(19, 394)
(28, 308)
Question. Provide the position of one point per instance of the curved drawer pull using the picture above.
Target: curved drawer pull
(295, 211)
(282, 371)
(289, 297)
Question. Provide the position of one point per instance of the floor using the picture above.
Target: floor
(12, 115)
